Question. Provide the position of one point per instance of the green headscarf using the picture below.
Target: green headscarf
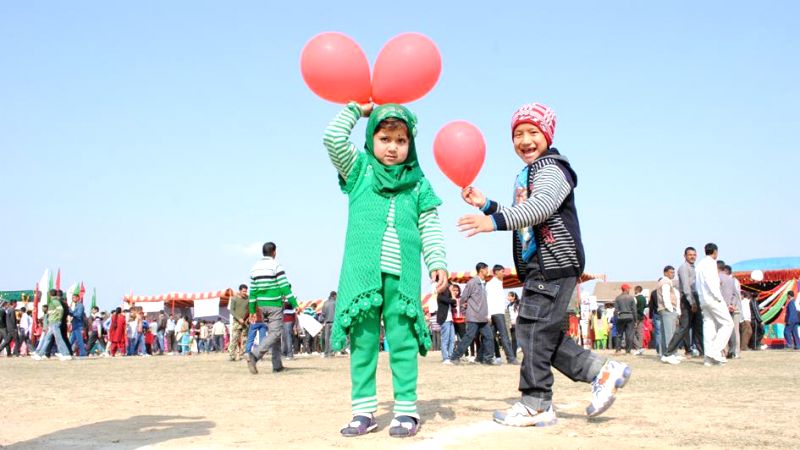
(390, 180)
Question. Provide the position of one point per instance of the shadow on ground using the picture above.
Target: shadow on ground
(121, 434)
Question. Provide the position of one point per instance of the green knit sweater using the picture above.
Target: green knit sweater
(360, 278)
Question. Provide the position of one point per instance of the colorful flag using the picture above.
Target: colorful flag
(94, 297)
(58, 279)
(82, 291)
(71, 290)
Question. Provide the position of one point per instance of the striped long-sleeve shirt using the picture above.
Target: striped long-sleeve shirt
(269, 286)
(550, 210)
(343, 154)
(552, 188)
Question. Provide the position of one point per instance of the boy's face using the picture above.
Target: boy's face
(390, 146)
(529, 142)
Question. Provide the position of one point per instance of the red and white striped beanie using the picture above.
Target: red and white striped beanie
(537, 114)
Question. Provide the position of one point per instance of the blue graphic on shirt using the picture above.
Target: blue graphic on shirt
(526, 236)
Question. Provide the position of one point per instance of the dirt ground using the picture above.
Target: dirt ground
(207, 402)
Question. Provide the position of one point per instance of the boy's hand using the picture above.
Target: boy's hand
(439, 276)
(473, 197)
(366, 109)
(475, 223)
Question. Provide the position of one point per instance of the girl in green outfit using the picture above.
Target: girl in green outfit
(392, 219)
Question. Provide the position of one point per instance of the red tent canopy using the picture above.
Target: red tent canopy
(510, 278)
(179, 299)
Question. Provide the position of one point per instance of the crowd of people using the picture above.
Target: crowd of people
(701, 309)
(476, 325)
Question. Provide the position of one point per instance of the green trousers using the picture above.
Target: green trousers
(403, 351)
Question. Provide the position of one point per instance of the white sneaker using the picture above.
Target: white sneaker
(614, 375)
(447, 362)
(678, 357)
(36, 357)
(64, 358)
(670, 360)
(520, 415)
(695, 352)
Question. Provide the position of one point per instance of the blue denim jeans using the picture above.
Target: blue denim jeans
(448, 339)
(158, 342)
(261, 329)
(545, 344)
(135, 345)
(486, 352)
(657, 331)
(287, 340)
(77, 336)
(54, 332)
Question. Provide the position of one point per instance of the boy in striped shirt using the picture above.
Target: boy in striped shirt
(392, 220)
(548, 254)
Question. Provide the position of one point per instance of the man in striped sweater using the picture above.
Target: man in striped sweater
(268, 288)
(548, 254)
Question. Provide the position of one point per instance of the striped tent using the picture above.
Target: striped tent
(301, 305)
(178, 299)
(510, 278)
(779, 277)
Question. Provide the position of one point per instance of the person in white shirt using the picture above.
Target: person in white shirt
(745, 326)
(513, 312)
(218, 330)
(717, 322)
(497, 303)
(669, 307)
(25, 324)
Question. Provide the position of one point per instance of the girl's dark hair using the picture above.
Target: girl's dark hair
(391, 124)
(514, 294)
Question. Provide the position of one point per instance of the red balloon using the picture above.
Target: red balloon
(407, 68)
(459, 150)
(335, 68)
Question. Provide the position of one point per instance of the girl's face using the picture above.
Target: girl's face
(390, 146)
(454, 290)
(529, 142)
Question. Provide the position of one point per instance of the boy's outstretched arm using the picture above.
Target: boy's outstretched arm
(433, 252)
(341, 151)
(552, 188)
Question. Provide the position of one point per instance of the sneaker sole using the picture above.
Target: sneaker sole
(597, 412)
(626, 375)
(619, 384)
(524, 425)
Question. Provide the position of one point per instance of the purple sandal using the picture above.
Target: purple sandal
(403, 426)
(360, 425)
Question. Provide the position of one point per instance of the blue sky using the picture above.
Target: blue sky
(154, 146)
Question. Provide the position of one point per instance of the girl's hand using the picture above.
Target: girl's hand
(475, 223)
(473, 197)
(439, 276)
(366, 109)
